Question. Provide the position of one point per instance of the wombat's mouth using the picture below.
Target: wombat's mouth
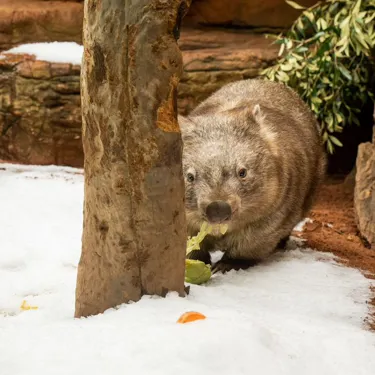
(227, 221)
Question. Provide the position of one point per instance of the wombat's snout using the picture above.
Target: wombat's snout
(218, 211)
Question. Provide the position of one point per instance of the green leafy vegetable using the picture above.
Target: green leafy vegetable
(196, 271)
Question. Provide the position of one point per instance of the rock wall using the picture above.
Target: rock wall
(40, 116)
(25, 21)
(213, 58)
(268, 14)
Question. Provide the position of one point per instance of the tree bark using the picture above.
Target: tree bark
(134, 231)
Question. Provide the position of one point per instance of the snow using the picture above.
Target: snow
(299, 313)
(299, 227)
(58, 52)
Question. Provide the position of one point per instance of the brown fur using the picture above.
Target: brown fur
(267, 129)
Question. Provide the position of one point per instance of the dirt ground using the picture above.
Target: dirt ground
(334, 230)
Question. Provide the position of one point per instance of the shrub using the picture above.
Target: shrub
(326, 56)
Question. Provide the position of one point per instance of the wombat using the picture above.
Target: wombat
(252, 159)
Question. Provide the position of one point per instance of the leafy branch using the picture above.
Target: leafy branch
(327, 57)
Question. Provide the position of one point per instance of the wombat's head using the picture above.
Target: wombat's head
(230, 166)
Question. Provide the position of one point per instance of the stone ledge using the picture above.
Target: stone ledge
(269, 14)
(24, 21)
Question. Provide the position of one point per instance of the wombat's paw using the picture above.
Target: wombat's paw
(282, 243)
(227, 264)
(202, 255)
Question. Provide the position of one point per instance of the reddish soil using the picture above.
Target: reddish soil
(334, 230)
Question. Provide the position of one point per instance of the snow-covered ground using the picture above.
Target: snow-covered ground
(298, 314)
(60, 52)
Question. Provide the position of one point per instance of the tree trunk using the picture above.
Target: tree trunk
(134, 235)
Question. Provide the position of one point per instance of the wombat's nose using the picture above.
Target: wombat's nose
(218, 211)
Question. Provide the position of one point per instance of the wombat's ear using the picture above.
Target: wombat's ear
(265, 131)
(257, 113)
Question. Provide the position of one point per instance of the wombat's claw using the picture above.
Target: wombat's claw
(202, 255)
(226, 265)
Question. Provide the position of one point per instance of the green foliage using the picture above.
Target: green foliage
(326, 57)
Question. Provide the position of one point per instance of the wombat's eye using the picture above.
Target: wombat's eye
(190, 177)
(242, 172)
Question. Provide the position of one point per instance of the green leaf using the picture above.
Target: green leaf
(301, 49)
(345, 72)
(322, 24)
(318, 35)
(282, 48)
(357, 7)
(339, 118)
(282, 76)
(335, 141)
(309, 16)
(329, 121)
(300, 25)
(316, 100)
(370, 18)
(294, 4)
(312, 68)
(338, 128)
(287, 67)
(298, 57)
(330, 146)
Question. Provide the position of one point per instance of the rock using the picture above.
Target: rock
(244, 13)
(364, 192)
(24, 21)
(40, 116)
(213, 58)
